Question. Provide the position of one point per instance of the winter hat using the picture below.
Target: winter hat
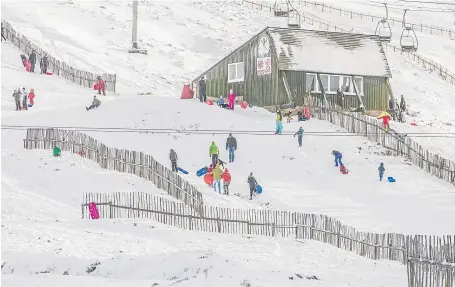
(226, 170)
(231, 91)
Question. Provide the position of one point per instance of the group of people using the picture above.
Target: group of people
(24, 99)
(216, 169)
(30, 63)
(229, 104)
(397, 110)
(338, 156)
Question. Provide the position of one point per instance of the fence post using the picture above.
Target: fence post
(218, 224)
(110, 209)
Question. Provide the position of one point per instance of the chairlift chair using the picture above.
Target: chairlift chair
(408, 40)
(293, 17)
(383, 29)
(280, 8)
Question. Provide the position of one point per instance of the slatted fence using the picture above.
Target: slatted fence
(396, 144)
(62, 69)
(443, 72)
(408, 249)
(132, 162)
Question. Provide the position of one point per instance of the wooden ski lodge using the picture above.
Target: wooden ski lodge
(280, 66)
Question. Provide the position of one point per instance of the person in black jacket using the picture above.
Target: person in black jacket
(32, 59)
(202, 90)
(231, 146)
(43, 64)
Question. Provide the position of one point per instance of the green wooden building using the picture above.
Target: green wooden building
(280, 66)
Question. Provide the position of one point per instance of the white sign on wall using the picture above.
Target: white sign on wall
(264, 66)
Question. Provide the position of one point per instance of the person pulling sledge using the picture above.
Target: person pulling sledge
(100, 86)
(217, 178)
(299, 135)
(213, 153)
(338, 156)
(226, 176)
(56, 151)
(231, 146)
(252, 183)
(381, 170)
(95, 103)
(202, 90)
(173, 157)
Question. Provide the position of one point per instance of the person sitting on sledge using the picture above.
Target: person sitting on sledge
(56, 151)
(220, 102)
(343, 169)
(338, 156)
(252, 183)
(226, 176)
(95, 103)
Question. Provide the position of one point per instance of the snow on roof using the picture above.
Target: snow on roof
(329, 52)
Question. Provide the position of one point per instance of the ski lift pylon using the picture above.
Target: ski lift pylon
(408, 40)
(383, 29)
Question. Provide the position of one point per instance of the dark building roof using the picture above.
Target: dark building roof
(329, 52)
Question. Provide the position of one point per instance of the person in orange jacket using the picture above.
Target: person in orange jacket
(31, 96)
(226, 176)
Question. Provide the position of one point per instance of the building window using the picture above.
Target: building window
(236, 72)
(325, 82)
(334, 83)
(359, 84)
(311, 83)
(346, 85)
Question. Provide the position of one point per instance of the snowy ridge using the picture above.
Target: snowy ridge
(62, 69)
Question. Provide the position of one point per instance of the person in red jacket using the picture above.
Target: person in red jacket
(226, 176)
(31, 96)
(101, 86)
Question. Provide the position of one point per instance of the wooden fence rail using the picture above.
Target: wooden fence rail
(390, 246)
(443, 72)
(396, 144)
(62, 69)
(132, 162)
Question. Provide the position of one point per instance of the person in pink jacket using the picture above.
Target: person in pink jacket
(231, 99)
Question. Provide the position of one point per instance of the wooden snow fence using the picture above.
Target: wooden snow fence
(395, 144)
(132, 162)
(62, 69)
(429, 259)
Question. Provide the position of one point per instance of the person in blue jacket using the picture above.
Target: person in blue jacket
(338, 156)
(299, 135)
(381, 170)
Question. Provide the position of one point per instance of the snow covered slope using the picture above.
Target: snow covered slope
(182, 37)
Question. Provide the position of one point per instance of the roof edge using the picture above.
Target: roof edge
(330, 32)
(230, 53)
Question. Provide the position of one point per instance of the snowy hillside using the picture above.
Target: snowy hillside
(44, 240)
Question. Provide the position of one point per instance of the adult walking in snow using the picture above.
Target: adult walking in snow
(381, 170)
(31, 97)
(173, 157)
(226, 176)
(299, 135)
(340, 99)
(44, 63)
(252, 183)
(100, 86)
(202, 90)
(24, 99)
(338, 156)
(17, 99)
(231, 146)
(32, 60)
(213, 153)
(95, 103)
(402, 104)
(231, 99)
(217, 178)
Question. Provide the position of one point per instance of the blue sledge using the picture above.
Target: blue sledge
(258, 189)
(182, 170)
(201, 172)
(391, 179)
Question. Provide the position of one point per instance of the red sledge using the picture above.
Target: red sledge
(244, 105)
(49, 73)
(208, 178)
(95, 87)
(344, 170)
(209, 102)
